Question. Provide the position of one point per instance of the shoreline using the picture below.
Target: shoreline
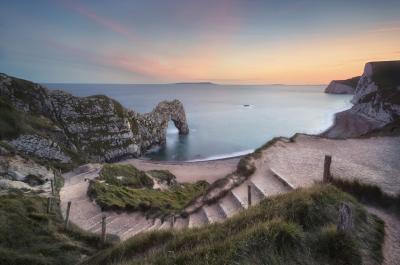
(210, 170)
(193, 161)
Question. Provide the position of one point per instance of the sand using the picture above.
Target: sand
(209, 171)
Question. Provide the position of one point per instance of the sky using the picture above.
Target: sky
(221, 41)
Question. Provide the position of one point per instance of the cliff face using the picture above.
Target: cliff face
(376, 102)
(347, 86)
(96, 128)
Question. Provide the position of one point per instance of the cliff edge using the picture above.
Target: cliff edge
(347, 86)
(57, 126)
(376, 103)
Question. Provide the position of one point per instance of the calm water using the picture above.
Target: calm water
(220, 125)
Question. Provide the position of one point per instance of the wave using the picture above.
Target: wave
(223, 156)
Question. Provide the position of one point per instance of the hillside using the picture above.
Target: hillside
(55, 126)
(376, 102)
(295, 228)
(347, 86)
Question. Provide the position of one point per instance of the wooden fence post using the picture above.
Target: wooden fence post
(67, 216)
(173, 221)
(249, 194)
(327, 169)
(49, 204)
(345, 221)
(52, 187)
(103, 229)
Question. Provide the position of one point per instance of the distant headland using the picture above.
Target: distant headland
(195, 83)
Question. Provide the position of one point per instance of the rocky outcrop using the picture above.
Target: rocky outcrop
(347, 86)
(40, 147)
(21, 173)
(95, 128)
(376, 102)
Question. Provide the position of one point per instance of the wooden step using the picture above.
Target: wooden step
(214, 213)
(198, 219)
(181, 223)
(230, 204)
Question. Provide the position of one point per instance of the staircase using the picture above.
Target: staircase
(88, 215)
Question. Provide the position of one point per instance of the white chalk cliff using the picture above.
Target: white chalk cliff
(376, 102)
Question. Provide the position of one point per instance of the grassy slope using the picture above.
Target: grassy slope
(294, 228)
(133, 191)
(28, 235)
(155, 202)
(125, 175)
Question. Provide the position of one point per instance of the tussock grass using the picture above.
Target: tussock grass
(369, 194)
(28, 235)
(294, 228)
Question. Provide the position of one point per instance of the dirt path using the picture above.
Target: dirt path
(88, 215)
(209, 171)
(391, 244)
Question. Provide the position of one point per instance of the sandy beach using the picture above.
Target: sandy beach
(209, 171)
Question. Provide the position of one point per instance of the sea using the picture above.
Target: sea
(225, 120)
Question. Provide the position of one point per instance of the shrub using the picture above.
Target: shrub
(245, 167)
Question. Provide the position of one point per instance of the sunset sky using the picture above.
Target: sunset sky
(222, 41)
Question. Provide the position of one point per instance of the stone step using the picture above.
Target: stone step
(139, 227)
(181, 223)
(123, 223)
(230, 204)
(241, 194)
(96, 226)
(198, 219)
(156, 224)
(166, 225)
(214, 213)
(268, 184)
(257, 193)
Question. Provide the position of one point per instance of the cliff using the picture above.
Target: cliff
(376, 103)
(347, 86)
(57, 126)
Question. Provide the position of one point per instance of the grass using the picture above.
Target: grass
(369, 194)
(28, 235)
(294, 228)
(126, 176)
(163, 176)
(153, 202)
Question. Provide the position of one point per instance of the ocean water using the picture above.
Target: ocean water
(226, 120)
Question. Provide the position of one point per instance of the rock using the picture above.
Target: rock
(40, 147)
(347, 86)
(12, 184)
(18, 168)
(95, 128)
(376, 102)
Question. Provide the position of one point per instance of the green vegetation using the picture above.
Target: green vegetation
(14, 123)
(154, 202)
(125, 175)
(163, 176)
(245, 166)
(294, 228)
(124, 187)
(369, 194)
(28, 235)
